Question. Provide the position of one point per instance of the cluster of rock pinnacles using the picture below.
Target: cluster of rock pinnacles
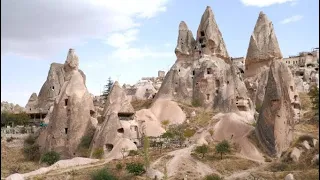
(203, 73)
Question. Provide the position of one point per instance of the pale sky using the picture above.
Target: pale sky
(130, 39)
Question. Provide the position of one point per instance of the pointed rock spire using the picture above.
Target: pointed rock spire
(185, 42)
(210, 37)
(276, 117)
(72, 60)
(263, 44)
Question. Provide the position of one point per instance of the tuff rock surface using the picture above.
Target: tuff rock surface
(70, 119)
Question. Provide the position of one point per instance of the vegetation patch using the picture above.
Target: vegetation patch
(98, 153)
(102, 174)
(50, 157)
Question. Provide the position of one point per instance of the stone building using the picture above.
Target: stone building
(304, 59)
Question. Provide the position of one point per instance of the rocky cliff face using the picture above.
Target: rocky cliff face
(71, 117)
(279, 110)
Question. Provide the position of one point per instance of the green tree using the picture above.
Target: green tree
(203, 149)
(223, 147)
(314, 95)
(107, 88)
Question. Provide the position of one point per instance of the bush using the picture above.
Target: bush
(212, 177)
(31, 152)
(119, 167)
(102, 174)
(223, 147)
(196, 103)
(203, 149)
(98, 153)
(133, 153)
(86, 141)
(30, 140)
(135, 168)
(50, 157)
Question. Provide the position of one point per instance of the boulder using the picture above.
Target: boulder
(15, 176)
(289, 177)
(306, 144)
(295, 154)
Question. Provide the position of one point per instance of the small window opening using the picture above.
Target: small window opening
(295, 97)
(201, 40)
(109, 147)
(121, 130)
(203, 45)
(291, 88)
(66, 130)
(217, 91)
(193, 72)
(209, 71)
(179, 70)
(74, 154)
(66, 102)
(30, 109)
(227, 82)
(217, 83)
(208, 96)
(52, 87)
(92, 113)
(202, 33)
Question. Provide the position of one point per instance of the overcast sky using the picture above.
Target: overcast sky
(130, 39)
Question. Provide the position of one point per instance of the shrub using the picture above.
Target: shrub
(86, 141)
(314, 96)
(212, 177)
(31, 152)
(50, 157)
(135, 168)
(133, 153)
(189, 132)
(119, 166)
(196, 103)
(102, 174)
(30, 140)
(223, 147)
(98, 153)
(203, 149)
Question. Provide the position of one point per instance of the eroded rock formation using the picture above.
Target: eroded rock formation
(279, 110)
(70, 119)
(203, 73)
(119, 130)
(263, 47)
